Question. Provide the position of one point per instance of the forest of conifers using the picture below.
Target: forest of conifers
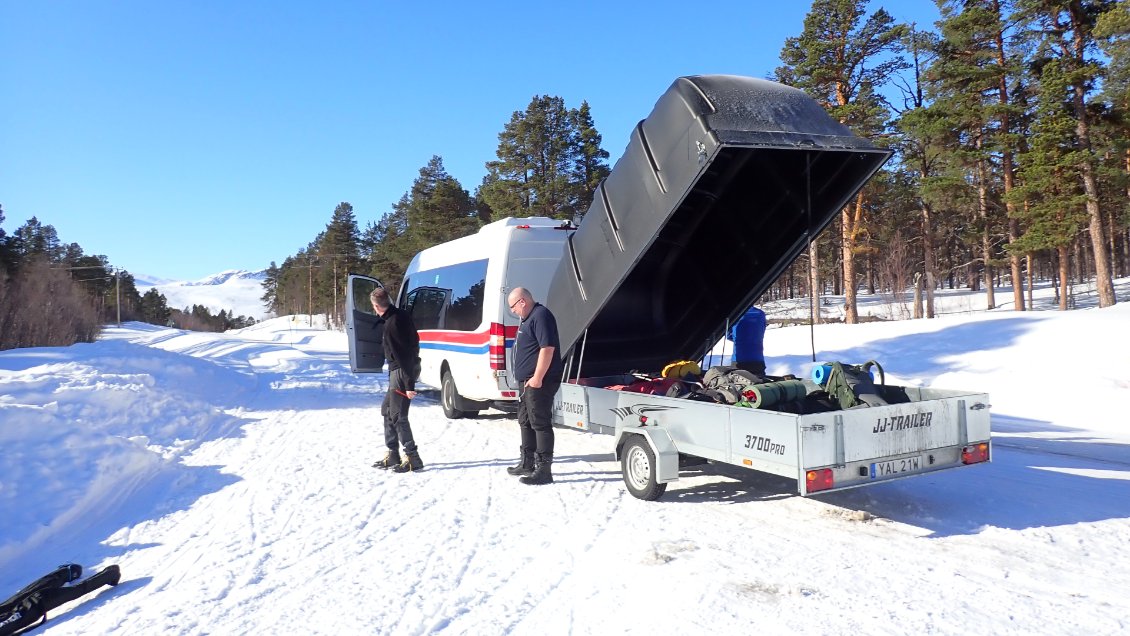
(1009, 124)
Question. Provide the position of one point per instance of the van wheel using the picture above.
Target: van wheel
(637, 463)
(448, 396)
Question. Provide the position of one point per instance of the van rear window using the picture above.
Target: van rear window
(448, 297)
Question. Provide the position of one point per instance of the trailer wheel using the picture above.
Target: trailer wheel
(637, 463)
(448, 395)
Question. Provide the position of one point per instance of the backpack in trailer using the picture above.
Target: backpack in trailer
(726, 384)
(850, 385)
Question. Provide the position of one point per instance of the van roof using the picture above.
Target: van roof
(470, 247)
(717, 193)
(529, 221)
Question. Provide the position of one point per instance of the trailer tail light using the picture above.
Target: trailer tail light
(818, 479)
(496, 346)
(975, 454)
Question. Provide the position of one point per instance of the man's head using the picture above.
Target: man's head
(521, 302)
(381, 302)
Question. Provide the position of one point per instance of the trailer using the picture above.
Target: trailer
(922, 430)
(720, 189)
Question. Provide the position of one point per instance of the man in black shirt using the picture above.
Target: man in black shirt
(402, 350)
(538, 369)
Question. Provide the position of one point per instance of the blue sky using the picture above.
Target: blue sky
(183, 139)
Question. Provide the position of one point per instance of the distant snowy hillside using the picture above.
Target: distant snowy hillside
(235, 291)
(147, 281)
(229, 275)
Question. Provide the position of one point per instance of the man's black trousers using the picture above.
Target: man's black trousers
(395, 411)
(535, 420)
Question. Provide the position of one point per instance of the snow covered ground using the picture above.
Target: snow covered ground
(228, 475)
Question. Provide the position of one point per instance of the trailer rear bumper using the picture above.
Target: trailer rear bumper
(822, 479)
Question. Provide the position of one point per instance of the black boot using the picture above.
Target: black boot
(411, 463)
(525, 466)
(543, 473)
(391, 460)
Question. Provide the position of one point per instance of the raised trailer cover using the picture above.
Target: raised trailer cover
(717, 193)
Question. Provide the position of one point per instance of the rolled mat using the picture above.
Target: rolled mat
(763, 396)
(821, 372)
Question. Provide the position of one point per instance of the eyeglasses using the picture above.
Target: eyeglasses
(516, 302)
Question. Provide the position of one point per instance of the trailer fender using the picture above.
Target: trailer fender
(666, 454)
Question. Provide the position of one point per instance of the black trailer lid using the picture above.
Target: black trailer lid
(717, 193)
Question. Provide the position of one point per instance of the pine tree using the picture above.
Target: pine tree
(1054, 210)
(155, 308)
(7, 255)
(386, 245)
(970, 85)
(1112, 32)
(549, 163)
(339, 252)
(840, 59)
(590, 161)
(919, 137)
(1068, 42)
(35, 239)
(435, 210)
(270, 285)
(438, 208)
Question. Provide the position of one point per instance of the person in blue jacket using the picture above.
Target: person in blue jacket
(748, 336)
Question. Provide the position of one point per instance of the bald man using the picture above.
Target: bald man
(538, 369)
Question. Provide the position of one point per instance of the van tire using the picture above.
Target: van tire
(449, 397)
(637, 464)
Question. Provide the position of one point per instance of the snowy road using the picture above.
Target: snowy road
(272, 521)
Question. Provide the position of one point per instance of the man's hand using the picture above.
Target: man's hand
(533, 383)
(409, 394)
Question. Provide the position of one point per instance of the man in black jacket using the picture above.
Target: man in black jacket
(538, 369)
(402, 350)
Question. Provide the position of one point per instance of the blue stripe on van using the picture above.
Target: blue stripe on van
(444, 346)
(457, 348)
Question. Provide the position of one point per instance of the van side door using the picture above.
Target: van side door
(363, 327)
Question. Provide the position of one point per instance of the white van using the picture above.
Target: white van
(456, 293)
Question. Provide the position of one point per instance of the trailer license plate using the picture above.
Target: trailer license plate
(896, 466)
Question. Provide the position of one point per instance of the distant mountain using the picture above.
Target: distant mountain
(147, 281)
(236, 291)
(228, 275)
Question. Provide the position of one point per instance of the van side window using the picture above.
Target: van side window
(427, 305)
(467, 310)
(448, 297)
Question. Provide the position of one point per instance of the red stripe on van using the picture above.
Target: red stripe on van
(464, 337)
(455, 337)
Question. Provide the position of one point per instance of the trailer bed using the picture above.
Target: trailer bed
(931, 430)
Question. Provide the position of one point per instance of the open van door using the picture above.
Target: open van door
(363, 328)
